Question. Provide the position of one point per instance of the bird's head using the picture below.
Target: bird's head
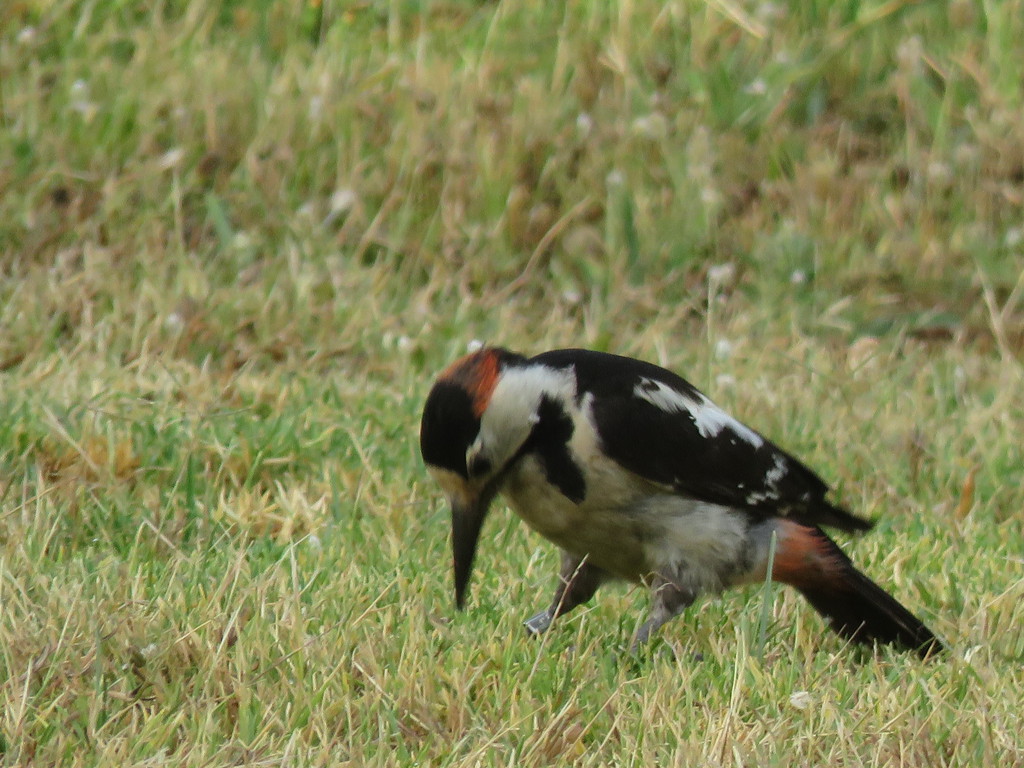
(475, 422)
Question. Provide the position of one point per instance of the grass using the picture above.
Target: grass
(239, 239)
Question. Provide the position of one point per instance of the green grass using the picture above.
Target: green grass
(238, 240)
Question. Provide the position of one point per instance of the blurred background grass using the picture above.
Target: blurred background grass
(237, 240)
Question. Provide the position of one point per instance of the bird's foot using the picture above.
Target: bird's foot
(539, 623)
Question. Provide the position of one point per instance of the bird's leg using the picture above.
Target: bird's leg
(578, 580)
(668, 599)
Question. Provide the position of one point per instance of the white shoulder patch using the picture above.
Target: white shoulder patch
(709, 418)
(519, 390)
(663, 396)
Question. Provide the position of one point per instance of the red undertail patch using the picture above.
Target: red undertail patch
(805, 556)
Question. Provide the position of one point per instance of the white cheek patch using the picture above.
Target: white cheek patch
(512, 411)
(518, 391)
(709, 418)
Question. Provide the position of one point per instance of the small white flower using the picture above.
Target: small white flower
(1014, 237)
(710, 196)
(242, 240)
(615, 178)
(584, 124)
(474, 345)
(316, 107)
(314, 543)
(910, 53)
(723, 349)
(405, 344)
(757, 87)
(26, 35)
(174, 322)
(652, 126)
(721, 273)
(960, 383)
(572, 296)
(80, 101)
(171, 158)
(939, 171)
(342, 200)
(799, 277)
(800, 699)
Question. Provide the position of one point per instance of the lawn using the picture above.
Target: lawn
(238, 240)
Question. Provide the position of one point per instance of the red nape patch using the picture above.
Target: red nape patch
(805, 556)
(476, 373)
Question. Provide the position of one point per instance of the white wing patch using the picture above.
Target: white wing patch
(709, 418)
(776, 473)
(771, 482)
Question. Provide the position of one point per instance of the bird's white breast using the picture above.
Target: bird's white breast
(626, 524)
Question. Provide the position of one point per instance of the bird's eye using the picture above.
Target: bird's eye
(478, 465)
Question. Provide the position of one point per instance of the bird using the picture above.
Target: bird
(637, 476)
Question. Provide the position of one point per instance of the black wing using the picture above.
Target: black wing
(659, 426)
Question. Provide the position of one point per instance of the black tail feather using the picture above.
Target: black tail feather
(861, 611)
(827, 515)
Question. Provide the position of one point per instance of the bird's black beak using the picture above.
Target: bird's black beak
(467, 520)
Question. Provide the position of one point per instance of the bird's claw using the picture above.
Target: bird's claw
(539, 623)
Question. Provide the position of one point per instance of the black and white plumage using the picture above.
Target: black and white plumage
(636, 475)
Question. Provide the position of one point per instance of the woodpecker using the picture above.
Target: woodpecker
(638, 476)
